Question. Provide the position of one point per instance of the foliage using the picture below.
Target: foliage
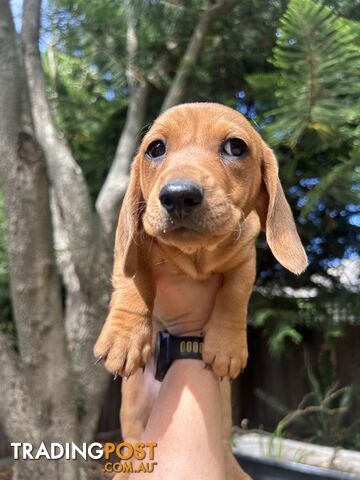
(321, 416)
(308, 108)
(283, 318)
(317, 60)
(278, 321)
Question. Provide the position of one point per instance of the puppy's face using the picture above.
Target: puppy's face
(200, 175)
(199, 172)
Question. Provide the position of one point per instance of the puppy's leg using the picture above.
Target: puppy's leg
(125, 340)
(138, 395)
(225, 344)
(233, 469)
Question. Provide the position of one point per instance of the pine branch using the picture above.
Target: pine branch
(318, 62)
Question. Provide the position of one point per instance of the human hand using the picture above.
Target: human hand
(184, 305)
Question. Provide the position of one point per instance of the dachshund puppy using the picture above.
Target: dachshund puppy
(202, 185)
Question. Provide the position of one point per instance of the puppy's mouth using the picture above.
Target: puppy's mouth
(189, 237)
(201, 227)
(183, 226)
(186, 214)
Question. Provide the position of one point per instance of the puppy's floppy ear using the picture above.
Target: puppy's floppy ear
(127, 232)
(276, 217)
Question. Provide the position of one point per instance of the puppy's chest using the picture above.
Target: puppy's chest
(177, 265)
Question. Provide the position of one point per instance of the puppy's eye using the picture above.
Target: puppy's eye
(234, 147)
(156, 150)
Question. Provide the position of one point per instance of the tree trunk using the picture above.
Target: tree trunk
(37, 304)
(35, 285)
(84, 313)
(89, 253)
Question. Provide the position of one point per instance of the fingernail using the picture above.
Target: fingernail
(115, 375)
(98, 360)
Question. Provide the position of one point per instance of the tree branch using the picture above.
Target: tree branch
(9, 77)
(191, 55)
(113, 190)
(65, 174)
(84, 315)
(110, 197)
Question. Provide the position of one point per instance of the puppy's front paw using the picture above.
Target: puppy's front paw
(124, 346)
(225, 351)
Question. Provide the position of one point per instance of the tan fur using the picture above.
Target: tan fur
(219, 236)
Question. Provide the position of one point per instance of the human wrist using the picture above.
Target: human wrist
(171, 347)
(191, 333)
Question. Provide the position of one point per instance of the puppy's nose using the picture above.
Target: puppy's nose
(181, 196)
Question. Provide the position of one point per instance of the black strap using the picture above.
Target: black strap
(170, 348)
